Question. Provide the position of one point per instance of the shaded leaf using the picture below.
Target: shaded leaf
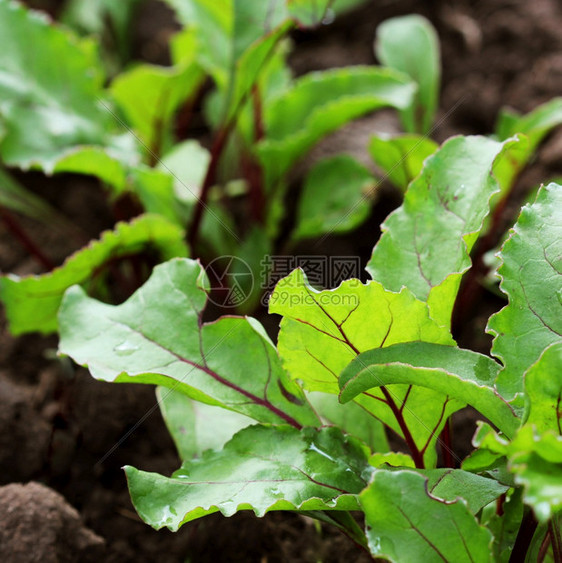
(334, 197)
(32, 302)
(461, 374)
(410, 44)
(351, 418)
(534, 460)
(407, 524)
(401, 158)
(450, 484)
(149, 95)
(157, 336)
(308, 12)
(262, 468)
(543, 388)
(321, 102)
(505, 527)
(425, 243)
(109, 21)
(531, 276)
(196, 427)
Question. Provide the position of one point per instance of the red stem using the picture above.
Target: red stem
(524, 537)
(16, 229)
(446, 444)
(208, 182)
(414, 450)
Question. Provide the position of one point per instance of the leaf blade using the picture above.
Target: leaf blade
(262, 468)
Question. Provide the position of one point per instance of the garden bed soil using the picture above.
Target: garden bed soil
(59, 427)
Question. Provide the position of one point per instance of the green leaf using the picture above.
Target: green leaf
(32, 302)
(157, 336)
(187, 162)
(401, 158)
(95, 161)
(149, 96)
(543, 388)
(333, 198)
(451, 484)
(308, 13)
(535, 125)
(196, 427)
(155, 189)
(460, 374)
(322, 331)
(51, 94)
(506, 526)
(535, 461)
(426, 242)
(351, 418)
(393, 459)
(321, 102)
(410, 44)
(531, 276)
(407, 524)
(262, 468)
(109, 21)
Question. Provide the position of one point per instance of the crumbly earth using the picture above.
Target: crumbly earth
(58, 425)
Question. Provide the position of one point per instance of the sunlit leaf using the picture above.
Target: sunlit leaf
(321, 102)
(426, 242)
(322, 331)
(461, 374)
(531, 276)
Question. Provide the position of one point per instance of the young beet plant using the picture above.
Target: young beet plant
(299, 427)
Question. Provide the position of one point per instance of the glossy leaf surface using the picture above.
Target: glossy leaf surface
(461, 374)
(262, 468)
(157, 336)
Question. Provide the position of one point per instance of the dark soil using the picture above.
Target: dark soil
(59, 427)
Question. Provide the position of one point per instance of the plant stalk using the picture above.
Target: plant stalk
(524, 537)
(15, 228)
